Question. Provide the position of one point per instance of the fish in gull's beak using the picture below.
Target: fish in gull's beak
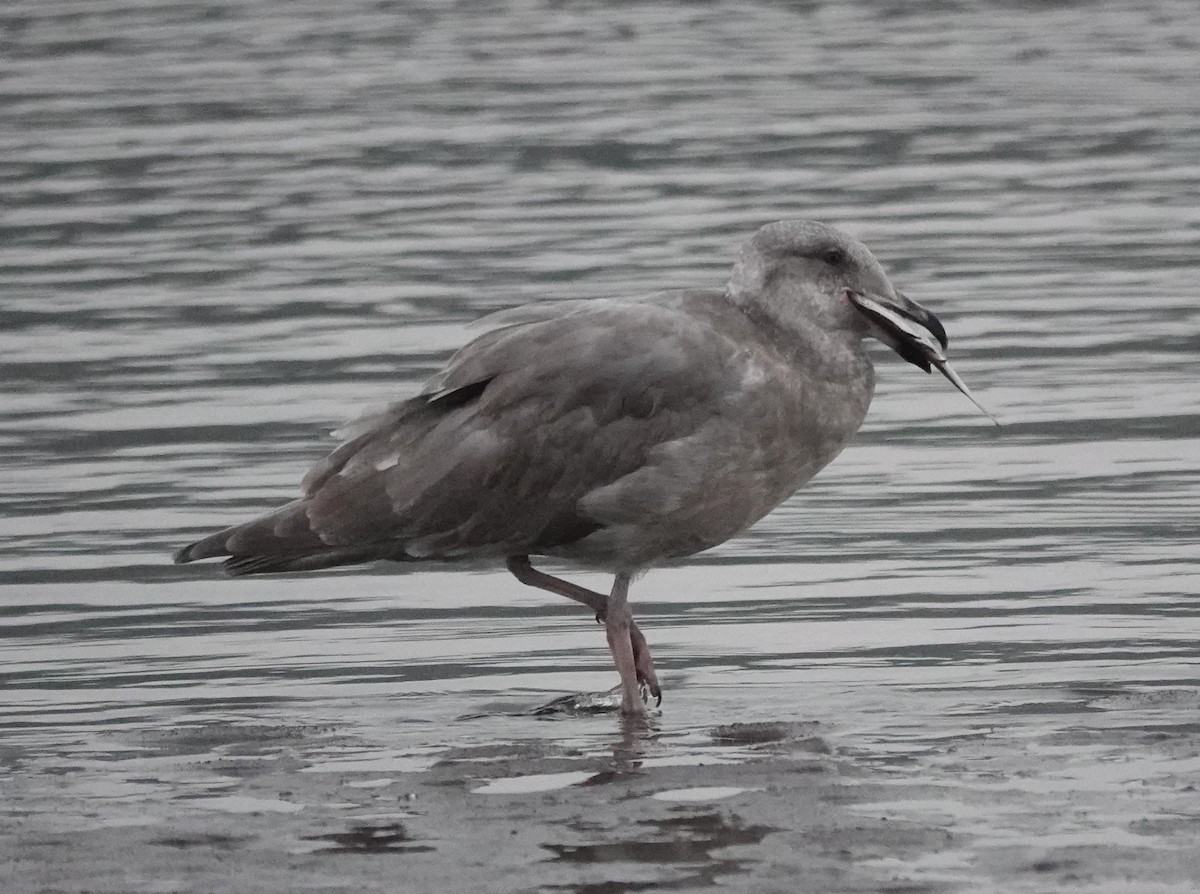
(913, 333)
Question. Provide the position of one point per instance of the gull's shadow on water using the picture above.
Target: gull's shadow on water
(686, 849)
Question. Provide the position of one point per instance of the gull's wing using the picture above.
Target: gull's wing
(499, 453)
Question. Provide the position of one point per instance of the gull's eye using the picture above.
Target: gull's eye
(834, 257)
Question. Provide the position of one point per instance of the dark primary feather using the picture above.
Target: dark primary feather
(449, 400)
(270, 564)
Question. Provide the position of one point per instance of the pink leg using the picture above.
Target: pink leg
(631, 653)
(527, 574)
(644, 662)
(618, 625)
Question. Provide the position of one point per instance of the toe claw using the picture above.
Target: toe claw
(649, 690)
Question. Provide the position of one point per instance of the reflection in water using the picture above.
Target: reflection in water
(228, 227)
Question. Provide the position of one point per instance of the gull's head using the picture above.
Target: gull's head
(796, 272)
(825, 285)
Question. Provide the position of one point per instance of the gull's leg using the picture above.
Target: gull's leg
(618, 626)
(615, 620)
(644, 662)
(527, 574)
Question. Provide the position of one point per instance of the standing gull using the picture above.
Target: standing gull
(614, 434)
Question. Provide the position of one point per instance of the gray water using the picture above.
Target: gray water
(227, 227)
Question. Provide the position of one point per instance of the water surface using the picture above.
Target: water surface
(227, 227)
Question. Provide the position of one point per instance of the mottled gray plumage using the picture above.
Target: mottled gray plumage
(613, 433)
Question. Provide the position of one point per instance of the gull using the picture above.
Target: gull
(613, 434)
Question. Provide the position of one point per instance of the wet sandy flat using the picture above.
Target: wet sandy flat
(778, 771)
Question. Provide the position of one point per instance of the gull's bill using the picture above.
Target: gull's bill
(915, 334)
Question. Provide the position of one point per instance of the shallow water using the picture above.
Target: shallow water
(227, 227)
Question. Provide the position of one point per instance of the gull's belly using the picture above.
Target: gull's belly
(703, 490)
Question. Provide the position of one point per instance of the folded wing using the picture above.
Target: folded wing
(498, 453)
